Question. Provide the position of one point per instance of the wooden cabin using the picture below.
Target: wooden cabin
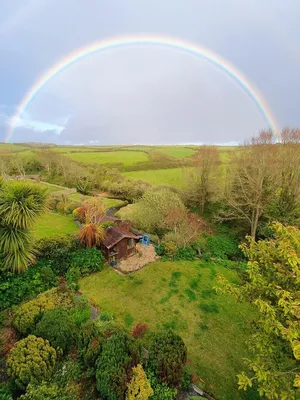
(119, 243)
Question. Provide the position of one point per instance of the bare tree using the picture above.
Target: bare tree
(250, 184)
(201, 182)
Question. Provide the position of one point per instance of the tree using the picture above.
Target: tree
(285, 206)
(139, 387)
(152, 210)
(57, 326)
(251, 186)
(201, 181)
(91, 235)
(20, 206)
(113, 365)
(89, 343)
(31, 360)
(273, 289)
(167, 357)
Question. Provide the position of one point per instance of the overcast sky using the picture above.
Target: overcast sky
(148, 94)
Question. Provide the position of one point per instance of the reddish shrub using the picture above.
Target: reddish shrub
(139, 330)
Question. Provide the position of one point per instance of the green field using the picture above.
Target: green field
(108, 203)
(54, 224)
(11, 148)
(110, 157)
(180, 295)
(176, 151)
(171, 176)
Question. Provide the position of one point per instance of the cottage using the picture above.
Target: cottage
(119, 243)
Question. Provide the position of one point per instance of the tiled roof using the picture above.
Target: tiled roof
(115, 234)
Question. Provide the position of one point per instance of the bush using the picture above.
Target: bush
(57, 251)
(45, 391)
(161, 390)
(106, 316)
(17, 288)
(140, 330)
(89, 344)
(220, 246)
(57, 326)
(81, 312)
(171, 251)
(31, 361)
(87, 261)
(185, 253)
(167, 357)
(139, 387)
(113, 365)
(26, 316)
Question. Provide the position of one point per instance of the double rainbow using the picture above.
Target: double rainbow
(178, 44)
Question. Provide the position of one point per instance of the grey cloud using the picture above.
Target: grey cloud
(154, 94)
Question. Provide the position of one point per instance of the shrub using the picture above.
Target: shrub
(31, 361)
(139, 387)
(106, 316)
(5, 393)
(167, 357)
(81, 312)
(57, 251)
(26, 316)
(139, 331)
(220, 246)
(186, 380)
(161, 390)
(89, 343)
(17, 288)
(57, 326)
(87, 260)
(44, 391)
(113, 366)
(185, 253)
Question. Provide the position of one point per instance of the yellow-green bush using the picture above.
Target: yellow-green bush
(32, 360)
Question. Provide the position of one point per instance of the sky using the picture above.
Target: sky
(148, 94)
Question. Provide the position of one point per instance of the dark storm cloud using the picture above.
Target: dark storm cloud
(151, 95)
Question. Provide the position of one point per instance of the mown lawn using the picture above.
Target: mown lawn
(180, 295)
(108, 203)
(111, 157)
(171, 176)
(52, 224)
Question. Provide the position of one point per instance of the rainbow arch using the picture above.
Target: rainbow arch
(175, 43)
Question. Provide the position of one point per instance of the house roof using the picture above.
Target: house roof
(115, 234)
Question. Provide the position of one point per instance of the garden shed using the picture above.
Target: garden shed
(119, 243)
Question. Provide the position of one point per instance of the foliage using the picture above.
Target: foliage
(57, 251)
(91, 235)
(20, 206)
(220, 246)
(186, 379)
(31, 361)
(173, 252)
(89, 344)
(113, 366)
(140, 330)
(57, 326)
(17, 288)
(91, 211)
(81, 312)
(167, 357)
(27, 315)
(44, 391)
(5, 394)
(87, 261)
(161, 201)
(161, 390)
(273, 288)
(139, 386)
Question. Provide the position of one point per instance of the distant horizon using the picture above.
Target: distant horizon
(123, 144)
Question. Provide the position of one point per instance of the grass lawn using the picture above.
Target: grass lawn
(124, 157)
(176, 151)
(171, 176)
(180, 295)
(51, 224)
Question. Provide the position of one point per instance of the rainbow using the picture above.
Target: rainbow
(179, 44)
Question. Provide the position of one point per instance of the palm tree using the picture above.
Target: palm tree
(21, 204)
(91, 234)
